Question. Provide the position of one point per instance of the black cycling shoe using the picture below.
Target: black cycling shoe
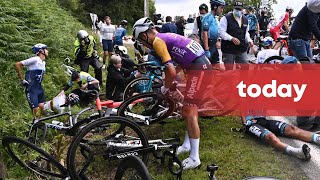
(306, 152)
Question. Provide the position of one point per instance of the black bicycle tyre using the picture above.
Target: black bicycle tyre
(6, 141)
(123, 107)
(273, 58)
(133, 162)
(105, 120)
(33, 133)
(127, 91)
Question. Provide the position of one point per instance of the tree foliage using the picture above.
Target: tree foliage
(116, 9)
(256, 4)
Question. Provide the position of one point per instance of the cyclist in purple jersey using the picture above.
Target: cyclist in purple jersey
(189, 55)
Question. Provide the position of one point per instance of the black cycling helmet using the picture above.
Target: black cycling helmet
(75, 75)
(203, 7)
(124, 22)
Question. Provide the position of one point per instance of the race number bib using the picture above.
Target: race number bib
(195, 48)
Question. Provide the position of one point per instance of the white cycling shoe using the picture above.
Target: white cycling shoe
(181, 149)
(191, 164)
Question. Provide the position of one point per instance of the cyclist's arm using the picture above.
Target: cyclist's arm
(91, 80)
(161, 49)
(205, 30)
(18, 69)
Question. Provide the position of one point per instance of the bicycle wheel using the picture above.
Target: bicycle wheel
(33, 158)
(140, 85)
(37, 133)
(133, 168)
(147, 108)
(95, 150)
(273, 60)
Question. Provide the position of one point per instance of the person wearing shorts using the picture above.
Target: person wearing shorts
(107, 32)
(190, 56)
(33, 78)
(268, 130)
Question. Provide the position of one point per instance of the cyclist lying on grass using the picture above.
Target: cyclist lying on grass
(85, 82)
(267, 130)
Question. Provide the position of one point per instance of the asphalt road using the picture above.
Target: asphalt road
(310, 168)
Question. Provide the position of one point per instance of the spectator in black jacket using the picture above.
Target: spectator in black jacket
(169, 27)
(304, 26)
(180, 26)
(116, 79)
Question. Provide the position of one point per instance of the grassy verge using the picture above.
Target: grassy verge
(236, 154)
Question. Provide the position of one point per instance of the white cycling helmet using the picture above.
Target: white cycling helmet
(37, 47)
(82, 34)
(267, 41)
(314, 6)
(142, 25)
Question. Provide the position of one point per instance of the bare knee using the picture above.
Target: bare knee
(189, 112)
(291, 131)
(272, 138)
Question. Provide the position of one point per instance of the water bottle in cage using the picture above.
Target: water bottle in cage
(57, 123)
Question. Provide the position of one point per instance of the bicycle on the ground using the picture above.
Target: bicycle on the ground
(96, 149)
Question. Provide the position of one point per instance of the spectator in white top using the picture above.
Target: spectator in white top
(107, 32)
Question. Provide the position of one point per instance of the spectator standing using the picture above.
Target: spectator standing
(234, 31)
(107, 32)
(169, 27)
(253, 23)
(180, 26)
(197, 28)
(190, 19)
(304, 26)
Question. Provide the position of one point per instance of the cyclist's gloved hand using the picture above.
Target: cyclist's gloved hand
(164, 90)
(24, 82)
(208, 54)
(248, 123)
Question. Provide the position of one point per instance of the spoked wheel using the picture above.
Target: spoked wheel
(273, 60)
(141, 85)
(147, 108)
(96, 150)
(33, 158)
(132, 168)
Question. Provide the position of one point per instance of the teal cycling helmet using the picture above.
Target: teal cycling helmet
(36, 48)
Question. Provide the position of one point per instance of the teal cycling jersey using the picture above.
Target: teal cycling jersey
(252, 21)
(210, 24)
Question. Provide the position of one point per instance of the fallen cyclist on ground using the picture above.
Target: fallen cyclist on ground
(85, 82)
(268, 130)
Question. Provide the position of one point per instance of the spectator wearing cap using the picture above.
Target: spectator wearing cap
(169, 27)
(303, 27)
(197, 28)
(234, 32)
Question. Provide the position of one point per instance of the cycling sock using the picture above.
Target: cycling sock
(316, 138)
(186, 142)
(194, 152)
(298, 152)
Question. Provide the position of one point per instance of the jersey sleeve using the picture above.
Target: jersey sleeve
(205, 23)
(161, 49)
(29, 61)
(286, 17)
